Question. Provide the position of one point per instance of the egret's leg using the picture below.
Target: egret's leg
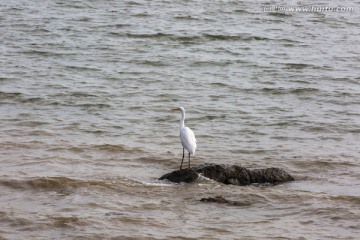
(189, 160)
(182, 158)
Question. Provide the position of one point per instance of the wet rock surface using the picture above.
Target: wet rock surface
(230, 174)
(221, 200)
(185, 175)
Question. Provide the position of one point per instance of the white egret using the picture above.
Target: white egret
(187, 136)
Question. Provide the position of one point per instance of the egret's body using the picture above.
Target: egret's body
(187, 137)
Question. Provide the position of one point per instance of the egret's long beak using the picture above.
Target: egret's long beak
(175, 109)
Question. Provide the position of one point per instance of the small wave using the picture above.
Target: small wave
(303, 90)
(83, 68)
(187, 39)
(20, 98)
(47, 53)
(31, 123)
(348, 199)
(355, 81)
(75, 5)
(210, 63)
(186, 18)
(41, 133)
(298, 65)
(282, 124)
(354, 130)
(153, 63)
(114, 214)
(67, 222)
(6, 79)
(151, 35)
(144, 14)
(71, 149)
(223, 37)
(40, 30)
(158, 183)
(44, 183)
(94, 105)
(212, 117)
(14, 220)
(110, 148)
(279, 14)
(37, 52)
(22, 145)
(32, 100)
(82, 94)
(84, 19)
(9, 95)
(279, 91)
(133, 3)
(342, 102)
(241, 11)
(59, 184)
(193, 38)
(121, 25)
(319, 163)
(248, 151)
(318, 129)
(114, 26)
(116, 34)
(220, 84)
(116, 148)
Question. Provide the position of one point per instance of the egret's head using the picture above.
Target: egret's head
(181, 109)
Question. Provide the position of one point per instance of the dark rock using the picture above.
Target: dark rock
(271, 175)
(230, 174)
(184, 175)
(220, 199)
(227, 174)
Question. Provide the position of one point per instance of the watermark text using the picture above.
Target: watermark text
(302, 9)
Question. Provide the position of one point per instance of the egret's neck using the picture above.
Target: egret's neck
(182, 120)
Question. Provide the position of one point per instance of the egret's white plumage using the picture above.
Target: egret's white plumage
(187, 137)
